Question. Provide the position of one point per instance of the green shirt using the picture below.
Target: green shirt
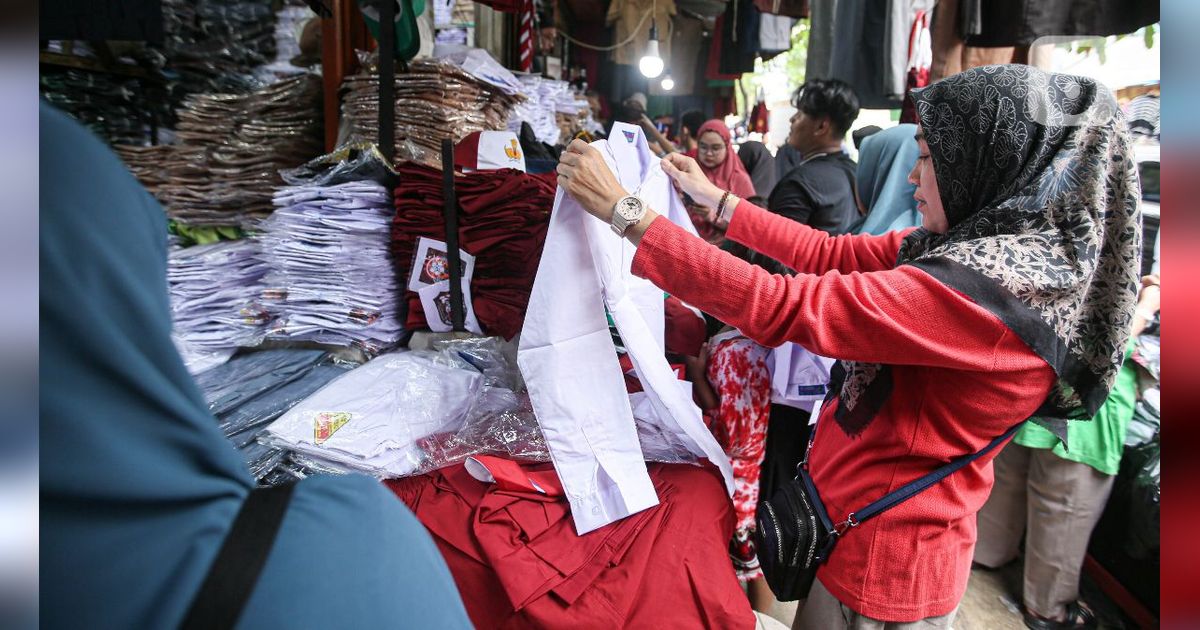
(1100, 442)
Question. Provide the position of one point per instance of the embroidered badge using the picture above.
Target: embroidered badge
(513, 151)
(327, 423)
(630, 136)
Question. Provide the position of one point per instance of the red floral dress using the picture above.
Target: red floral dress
(737, 371)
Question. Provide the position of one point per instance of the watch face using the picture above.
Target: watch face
(629, 207)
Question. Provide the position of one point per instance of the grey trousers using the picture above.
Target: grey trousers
(1056, 503)
(822, 611)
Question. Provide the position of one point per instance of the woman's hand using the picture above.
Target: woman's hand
(686, 173)
(584, 175)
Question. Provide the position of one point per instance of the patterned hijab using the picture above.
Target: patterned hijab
(1036, 175)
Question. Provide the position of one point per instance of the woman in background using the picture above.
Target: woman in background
(886, 194)
(719, 163)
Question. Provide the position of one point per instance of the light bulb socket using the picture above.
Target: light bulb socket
(653, 31)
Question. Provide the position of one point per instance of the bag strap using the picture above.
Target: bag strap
(909, 490)
(234, 573)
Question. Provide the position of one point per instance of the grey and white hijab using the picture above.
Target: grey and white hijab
(1041, 193)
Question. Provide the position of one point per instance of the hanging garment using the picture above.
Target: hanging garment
(774, 34)
(920, 58)
(819, 62)
(858, 52)
(1022, 22)
(739, 37)
(903, 17)
(569, 361)
(784, 8)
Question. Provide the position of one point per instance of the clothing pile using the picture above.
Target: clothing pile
(502, 225)
(146, 163)
(435, 99)
(255, 388)
(505, 531)
(331, 277)
(546, 99)
(214, 292)
(225, 168)
(372, 419)
(213, 46)
(289, 22)
(116, 107)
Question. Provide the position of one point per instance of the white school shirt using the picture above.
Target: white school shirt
(799, 378)
(570, 364)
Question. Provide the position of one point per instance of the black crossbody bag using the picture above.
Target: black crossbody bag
(795, 535)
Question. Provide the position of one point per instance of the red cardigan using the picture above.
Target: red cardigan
(961, 378)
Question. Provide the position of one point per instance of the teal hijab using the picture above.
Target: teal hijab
(884, 162)
(138, 486)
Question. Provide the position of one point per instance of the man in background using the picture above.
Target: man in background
(820, 190)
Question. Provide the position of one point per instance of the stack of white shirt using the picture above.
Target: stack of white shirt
(545, 99)
(331, 276)
(214, 290)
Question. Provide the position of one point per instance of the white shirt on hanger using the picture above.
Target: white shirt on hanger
(570, 363)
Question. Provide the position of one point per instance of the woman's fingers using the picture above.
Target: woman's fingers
(577, 146)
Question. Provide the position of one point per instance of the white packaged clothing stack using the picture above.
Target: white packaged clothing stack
(569, 361)
(372, 419)
(331, 275)
(545, 99)
(214, 292)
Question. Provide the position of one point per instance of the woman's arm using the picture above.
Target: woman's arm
(808, 250)
(798, 246)
(899, 316)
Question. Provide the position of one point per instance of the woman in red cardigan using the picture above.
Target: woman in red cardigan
(1013, 299)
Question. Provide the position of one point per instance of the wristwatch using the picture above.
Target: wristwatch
(628, 211)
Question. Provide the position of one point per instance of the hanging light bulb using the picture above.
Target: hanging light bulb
(651, 65)
(668, 83)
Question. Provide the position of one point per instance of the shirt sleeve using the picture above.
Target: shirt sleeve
(901, 316)
(809, 250)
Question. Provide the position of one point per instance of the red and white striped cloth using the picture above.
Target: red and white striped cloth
(525, 37)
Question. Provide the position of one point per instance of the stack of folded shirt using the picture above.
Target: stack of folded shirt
(214, 293)
(224, 169)
(215, 45)
(435, 99)
(116, 107)
(372, 419)
(548, 100)
(146, 163)
(502, 224)
(331, 276)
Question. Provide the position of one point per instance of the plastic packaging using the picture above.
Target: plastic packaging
(372, 418)
(356, 162)
(491, 356)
